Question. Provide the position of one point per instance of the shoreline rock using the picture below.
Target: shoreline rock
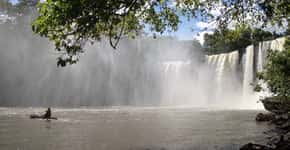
(276, 105)
(265, 117)
(279, 116)
(252, 146)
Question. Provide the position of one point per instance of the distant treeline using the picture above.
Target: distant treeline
(226, 40)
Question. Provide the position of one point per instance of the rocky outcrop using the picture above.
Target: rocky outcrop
(276, 105)
(261, 117)
(280, 145)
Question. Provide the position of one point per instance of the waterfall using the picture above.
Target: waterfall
(226, 71)
(174, 65)
(278, 44)
(220, 61)
(263, 47)
(224, 78)
(141, 72)
(248, 67)
(177, 85)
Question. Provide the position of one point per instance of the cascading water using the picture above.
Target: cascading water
(175, 65)
(224, 77)
(248, 71)
(263, 47)
(141, 72)
(222, 63)
(177, 81)
(131, 75)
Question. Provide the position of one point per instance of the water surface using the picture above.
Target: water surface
(129, 129)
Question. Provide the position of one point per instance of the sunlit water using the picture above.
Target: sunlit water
(129, 129)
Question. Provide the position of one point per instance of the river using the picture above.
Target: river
(129, 128)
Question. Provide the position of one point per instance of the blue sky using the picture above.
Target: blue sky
(13, 1)
(186, 29)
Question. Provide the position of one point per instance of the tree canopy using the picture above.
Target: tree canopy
(71, 23)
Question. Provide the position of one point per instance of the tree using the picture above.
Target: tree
(70, 23)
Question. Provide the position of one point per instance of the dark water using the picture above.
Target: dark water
(129, 129)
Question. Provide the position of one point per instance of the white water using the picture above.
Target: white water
(150, 72)
(263, 48)
(225, 80)
(226, 69)
(248, 69)
(222, 63)
(178, 83)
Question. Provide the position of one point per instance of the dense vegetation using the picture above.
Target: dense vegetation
(226, 40)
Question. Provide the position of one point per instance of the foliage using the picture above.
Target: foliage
(70, 23)
(226, 40)
(277, 71)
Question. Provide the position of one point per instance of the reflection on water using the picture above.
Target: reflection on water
(129, 128)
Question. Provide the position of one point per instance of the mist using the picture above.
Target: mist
(141, 72)
(134, 74)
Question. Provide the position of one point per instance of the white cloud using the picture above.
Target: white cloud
(215, 12)
(273, 27)
(202, 24)
(205, 28)
(200, 36)
(209, 26)
(276, 28)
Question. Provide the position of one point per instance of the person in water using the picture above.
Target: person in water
(47, 114)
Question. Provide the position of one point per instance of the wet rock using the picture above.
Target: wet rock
(265, 117)
(251, 146)
(276, 105)
(280, 119)
(282, 144)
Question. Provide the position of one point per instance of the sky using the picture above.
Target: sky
(13, 1)
(187, 29)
